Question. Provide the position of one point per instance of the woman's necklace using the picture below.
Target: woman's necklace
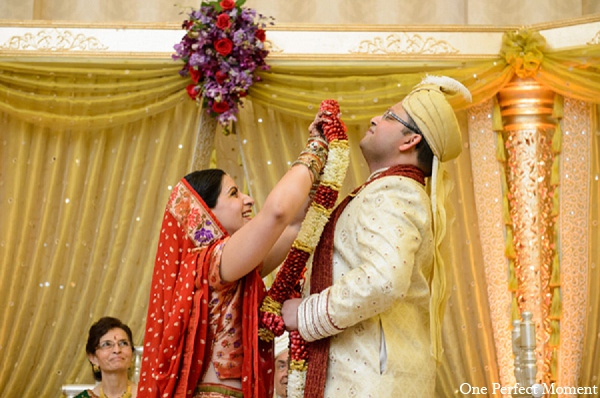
(126, 393)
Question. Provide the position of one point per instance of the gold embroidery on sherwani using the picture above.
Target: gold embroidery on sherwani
(383, 251)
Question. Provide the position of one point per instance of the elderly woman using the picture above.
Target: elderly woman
(110, 352)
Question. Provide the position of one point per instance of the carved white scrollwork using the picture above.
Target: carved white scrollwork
(403, 43)
(272, 47)
(54, 40)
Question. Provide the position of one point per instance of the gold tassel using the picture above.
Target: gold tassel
(505, 204)
(497, 124)
(554, 333)
(555, 277)
(513, 283)
(557, 110)
(557, 139)
(515, 314)
(504, 184)
(555, 177)
(506, 211)
(500, 151)
(556, 306)
(555, 203)
(554, 365)
(510, 250)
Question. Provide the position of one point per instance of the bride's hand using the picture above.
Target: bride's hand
(315, 129)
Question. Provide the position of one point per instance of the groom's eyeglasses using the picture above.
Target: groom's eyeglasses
(391, 115)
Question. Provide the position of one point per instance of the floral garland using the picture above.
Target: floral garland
(289, 280)
(223, 46)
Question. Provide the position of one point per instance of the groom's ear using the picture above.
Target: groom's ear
(409, 141)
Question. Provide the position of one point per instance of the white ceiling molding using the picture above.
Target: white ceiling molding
(39, 40)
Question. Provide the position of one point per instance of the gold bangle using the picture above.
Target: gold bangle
(314, 156)
(308, 165)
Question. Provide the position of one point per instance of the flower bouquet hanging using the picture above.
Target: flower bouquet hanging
(223, 46)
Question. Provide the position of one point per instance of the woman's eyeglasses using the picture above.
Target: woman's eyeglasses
(109, 344)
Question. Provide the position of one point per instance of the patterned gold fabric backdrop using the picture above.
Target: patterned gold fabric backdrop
(371, 12)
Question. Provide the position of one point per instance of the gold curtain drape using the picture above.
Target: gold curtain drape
(92, 97)
(88, 152)
(364, 90)
(87, 155)
(590, 365)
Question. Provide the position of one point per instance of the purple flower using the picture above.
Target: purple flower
(238, 37)
(196, 59)
(248, 15)
(178, 48)
(203, 235)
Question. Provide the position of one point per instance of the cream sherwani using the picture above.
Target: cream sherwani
(379, 301)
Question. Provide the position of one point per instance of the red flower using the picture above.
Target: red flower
(220, 107)
(260, 35)
(195, 74)
(223, 46)
(227, 4)
(220, 77)
(192, 91)
(223, 21)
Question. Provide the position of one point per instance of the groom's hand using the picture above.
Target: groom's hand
(289, 312)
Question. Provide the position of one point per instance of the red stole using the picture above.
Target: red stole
(322, 278)
(175, 345)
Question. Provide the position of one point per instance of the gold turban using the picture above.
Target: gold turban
(428, 107)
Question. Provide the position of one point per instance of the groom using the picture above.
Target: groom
(377, 298)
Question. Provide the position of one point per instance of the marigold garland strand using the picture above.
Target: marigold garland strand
(290, 279)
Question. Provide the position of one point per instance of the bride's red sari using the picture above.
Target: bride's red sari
(176, 347)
